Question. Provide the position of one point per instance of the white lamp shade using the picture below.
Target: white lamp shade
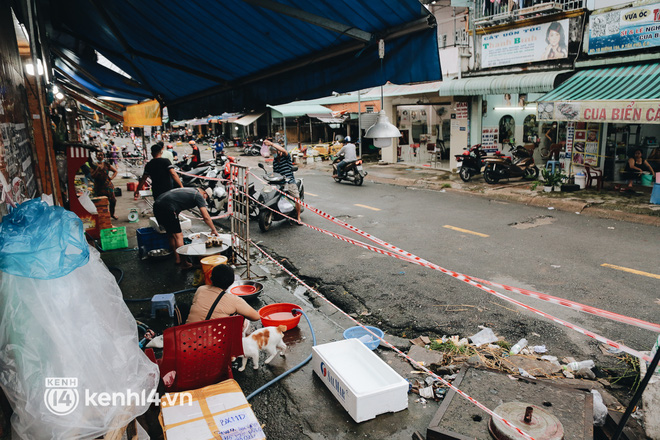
(382, 128)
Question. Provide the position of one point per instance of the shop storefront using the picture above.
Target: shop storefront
(608, 114)
(496, 111)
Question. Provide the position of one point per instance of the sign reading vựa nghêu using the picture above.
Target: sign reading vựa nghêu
(643, 112)
(624, 29)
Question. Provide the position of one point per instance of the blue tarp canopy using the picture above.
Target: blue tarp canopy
(201, 58)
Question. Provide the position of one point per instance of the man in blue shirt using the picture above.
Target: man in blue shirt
(283, 164)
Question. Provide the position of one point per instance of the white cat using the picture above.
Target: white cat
(268, 339)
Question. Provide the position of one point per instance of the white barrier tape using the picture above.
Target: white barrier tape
(392, 347)
(417, 260)
(575, 306)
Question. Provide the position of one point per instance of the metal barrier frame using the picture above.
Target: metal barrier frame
(240, 217)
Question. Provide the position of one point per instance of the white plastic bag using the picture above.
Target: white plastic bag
(73, 326)
(87, 203)
(285, 205)
(600, 410)
(485, 336)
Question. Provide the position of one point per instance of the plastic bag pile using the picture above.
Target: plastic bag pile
(62, 316)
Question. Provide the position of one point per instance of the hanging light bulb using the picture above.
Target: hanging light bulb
(382, 132)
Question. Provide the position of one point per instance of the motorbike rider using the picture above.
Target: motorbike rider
(218, 146)
(283, 164)
(348, 150)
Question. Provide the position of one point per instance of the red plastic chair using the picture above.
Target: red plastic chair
(200, 352)
(593, 174)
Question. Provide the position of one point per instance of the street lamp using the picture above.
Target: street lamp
(382, 132)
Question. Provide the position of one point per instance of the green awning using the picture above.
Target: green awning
(623, 83)
(538, 82)
(298, 108)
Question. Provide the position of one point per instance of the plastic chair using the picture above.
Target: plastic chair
(594, 174)
(200, 352)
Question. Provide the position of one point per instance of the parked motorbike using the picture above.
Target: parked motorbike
(251, 149)
(505, 167)
(471, 162)
(278, 204)
(353, 171)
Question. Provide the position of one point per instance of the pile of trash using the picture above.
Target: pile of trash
(447, 355)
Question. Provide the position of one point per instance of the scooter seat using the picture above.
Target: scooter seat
(274, 178)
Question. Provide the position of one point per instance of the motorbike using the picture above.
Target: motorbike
(353, 171)
(505, 167)
(251, 149)
(278, 204)
(472, 161)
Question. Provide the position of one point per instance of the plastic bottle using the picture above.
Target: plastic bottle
(576, 366)
(519, 346)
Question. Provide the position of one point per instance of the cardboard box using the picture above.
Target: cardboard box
(364, 384)
(217, 411)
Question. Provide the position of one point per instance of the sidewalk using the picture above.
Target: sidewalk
(608, 203)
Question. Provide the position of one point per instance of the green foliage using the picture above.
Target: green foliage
(450, 348)
(550, 178)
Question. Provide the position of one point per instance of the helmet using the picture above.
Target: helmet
(192, 142)
(346, 140)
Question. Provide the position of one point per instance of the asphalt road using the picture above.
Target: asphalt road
(553, 252)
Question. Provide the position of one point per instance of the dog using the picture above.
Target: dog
(268, 339)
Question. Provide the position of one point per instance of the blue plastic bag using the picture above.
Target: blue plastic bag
(41, 241)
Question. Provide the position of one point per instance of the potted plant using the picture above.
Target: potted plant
(551, 181)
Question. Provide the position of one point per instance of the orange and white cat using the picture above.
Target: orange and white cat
(268, 339)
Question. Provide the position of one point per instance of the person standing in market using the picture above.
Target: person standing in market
(162, 173)
(196, 155)
(103, 181)
(167, 209)
(283, 164)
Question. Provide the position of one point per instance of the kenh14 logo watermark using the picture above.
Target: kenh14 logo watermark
(62, 397)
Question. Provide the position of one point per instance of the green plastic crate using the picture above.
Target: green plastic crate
(114, 238)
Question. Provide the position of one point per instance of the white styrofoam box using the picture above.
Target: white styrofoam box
(154, 224)
(364, 384)
(224, 402)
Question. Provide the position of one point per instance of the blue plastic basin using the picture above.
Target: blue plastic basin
(364, 336)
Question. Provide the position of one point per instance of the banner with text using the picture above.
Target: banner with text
(643, 112)
(546, 41)
(624, 29)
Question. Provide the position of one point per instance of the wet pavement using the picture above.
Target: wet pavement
(300, 405)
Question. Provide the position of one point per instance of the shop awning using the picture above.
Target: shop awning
(330, 120)
(538, 82)
(248, 119)
(296, 109)
(615, 94)
(623, 83)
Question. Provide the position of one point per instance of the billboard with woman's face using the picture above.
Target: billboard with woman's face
(547, 41)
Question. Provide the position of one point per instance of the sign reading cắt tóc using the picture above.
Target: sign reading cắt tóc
(643, 112)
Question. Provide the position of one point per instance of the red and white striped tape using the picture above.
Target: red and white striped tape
(422, 367)
(407, 256)
(575, 305)
(218, 179)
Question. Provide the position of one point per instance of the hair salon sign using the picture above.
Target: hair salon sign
(546, 41)
(644, 112)
(624, 29)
